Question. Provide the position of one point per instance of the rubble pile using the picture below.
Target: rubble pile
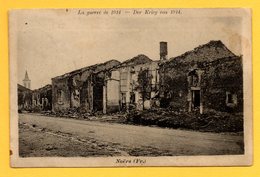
(75, 113)
(211, 121)
(69, 113)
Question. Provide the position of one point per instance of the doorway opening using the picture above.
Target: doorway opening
(196, 98)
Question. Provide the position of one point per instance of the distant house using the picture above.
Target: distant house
(208, 77)
(25, 94)
(42, 99)
(24, 98)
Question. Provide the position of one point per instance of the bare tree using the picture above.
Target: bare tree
(145, 84)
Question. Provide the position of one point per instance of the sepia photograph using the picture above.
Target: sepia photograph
(130, 87)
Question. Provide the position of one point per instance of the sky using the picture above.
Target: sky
(53, 42)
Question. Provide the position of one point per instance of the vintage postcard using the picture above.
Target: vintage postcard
(130, 87)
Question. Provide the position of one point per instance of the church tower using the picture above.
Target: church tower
(27, 81)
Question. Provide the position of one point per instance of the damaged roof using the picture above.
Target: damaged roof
(22, 88)
(139, 59)
(93, 68)
(210, 51)
(108, 65)
(46, 87)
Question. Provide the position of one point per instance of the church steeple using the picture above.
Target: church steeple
(27, 81)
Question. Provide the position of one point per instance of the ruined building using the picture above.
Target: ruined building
(25, 94)
(210, 77)
(24, 98)
(81, 89)
(42, 99)
(107, 87)
(131, 85)
(37, 100)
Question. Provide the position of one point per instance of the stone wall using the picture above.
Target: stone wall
(60, 95)
(122, 87)
(221, 86)
(42, 99)
(112, 92)
(224, 77)
(81, 90)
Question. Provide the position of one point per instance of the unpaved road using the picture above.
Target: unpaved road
(52, 136)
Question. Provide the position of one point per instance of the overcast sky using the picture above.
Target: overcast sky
(51, 43)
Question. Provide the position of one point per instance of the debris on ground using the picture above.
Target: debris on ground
(212, 121)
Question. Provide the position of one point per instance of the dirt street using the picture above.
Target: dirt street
(52, 136)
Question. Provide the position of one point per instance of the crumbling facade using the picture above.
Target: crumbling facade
(125, 90)
(24, 98)
(81, 89)
(37, 100)
(42, 99)
(208, 77)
